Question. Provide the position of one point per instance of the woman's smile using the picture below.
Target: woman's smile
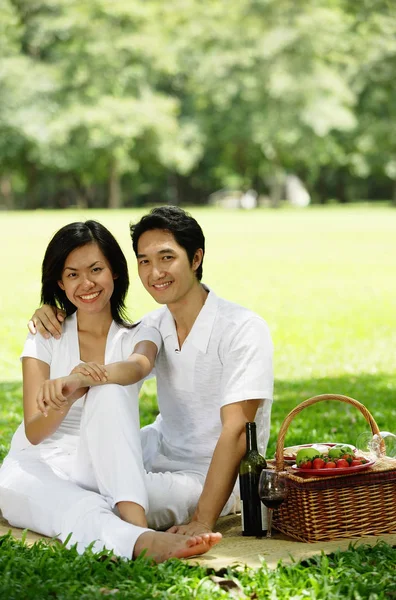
(89, 297)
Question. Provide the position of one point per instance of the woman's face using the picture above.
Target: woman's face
(87, 279)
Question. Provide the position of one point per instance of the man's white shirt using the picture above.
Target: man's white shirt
(226, 358)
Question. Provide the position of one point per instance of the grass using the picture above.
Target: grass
(50, 571)
(323, 278)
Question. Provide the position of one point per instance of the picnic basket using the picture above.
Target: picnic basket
(341, 506)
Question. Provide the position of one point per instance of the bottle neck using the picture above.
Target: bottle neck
(251, 437)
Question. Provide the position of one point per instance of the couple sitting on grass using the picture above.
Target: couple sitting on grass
(79, 468)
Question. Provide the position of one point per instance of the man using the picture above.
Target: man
(214, 373)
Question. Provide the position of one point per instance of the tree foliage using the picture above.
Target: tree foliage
(110, 102)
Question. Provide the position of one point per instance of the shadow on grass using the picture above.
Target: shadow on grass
(327, 421)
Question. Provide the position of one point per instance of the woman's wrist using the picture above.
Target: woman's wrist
(81, 379)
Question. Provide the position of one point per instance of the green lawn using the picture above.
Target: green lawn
(323, 278)
(49, 571)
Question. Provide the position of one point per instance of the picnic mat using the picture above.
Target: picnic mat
(236, 549)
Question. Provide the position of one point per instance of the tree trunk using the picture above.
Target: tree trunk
(173, 189)
(342, 194)
(6, 195)
(276, 188)
(31, 185)
(80, 198)
(114, 186)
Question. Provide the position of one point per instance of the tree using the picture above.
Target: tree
(117, 101)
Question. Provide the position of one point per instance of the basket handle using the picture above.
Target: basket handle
(285, 425)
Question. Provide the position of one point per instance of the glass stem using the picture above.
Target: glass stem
(269, 524)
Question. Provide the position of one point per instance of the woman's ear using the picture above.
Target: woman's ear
(62, 287)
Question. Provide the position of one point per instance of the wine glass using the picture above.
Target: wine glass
(372, 443)
(272, 492)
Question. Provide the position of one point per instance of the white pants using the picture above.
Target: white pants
(74, 489)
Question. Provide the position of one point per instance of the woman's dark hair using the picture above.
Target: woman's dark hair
(184, 228)
(66, 240)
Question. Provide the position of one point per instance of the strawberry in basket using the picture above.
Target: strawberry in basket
(328, 456)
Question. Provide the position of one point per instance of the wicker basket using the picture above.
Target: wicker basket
(341, 506)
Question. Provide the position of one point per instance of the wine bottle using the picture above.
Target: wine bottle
(253, 513)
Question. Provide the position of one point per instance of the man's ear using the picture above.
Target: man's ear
(198, 256)
(62, 287)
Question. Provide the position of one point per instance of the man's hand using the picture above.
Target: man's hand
(223, 468)
(47, 320)
(192, 528)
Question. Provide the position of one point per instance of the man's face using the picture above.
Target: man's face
(164, 268)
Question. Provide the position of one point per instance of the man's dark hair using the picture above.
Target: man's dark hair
(67, 239)
(184, 228)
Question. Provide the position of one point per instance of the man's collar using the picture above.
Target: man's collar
(200, 333)
(168, 326)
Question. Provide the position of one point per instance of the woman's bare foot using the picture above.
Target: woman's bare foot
(162, 545)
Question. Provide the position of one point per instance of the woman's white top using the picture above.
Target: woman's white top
(63, 355)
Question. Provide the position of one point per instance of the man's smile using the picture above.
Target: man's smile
(161, 286)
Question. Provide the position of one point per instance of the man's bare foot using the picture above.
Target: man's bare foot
(162, 545)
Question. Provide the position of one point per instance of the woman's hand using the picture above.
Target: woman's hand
(60, 393)
(91, 369)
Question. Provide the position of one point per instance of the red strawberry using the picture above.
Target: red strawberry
(306, 465)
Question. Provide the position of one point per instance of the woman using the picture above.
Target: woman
(75, 470)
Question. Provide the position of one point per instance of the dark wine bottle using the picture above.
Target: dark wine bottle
(252, 511)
